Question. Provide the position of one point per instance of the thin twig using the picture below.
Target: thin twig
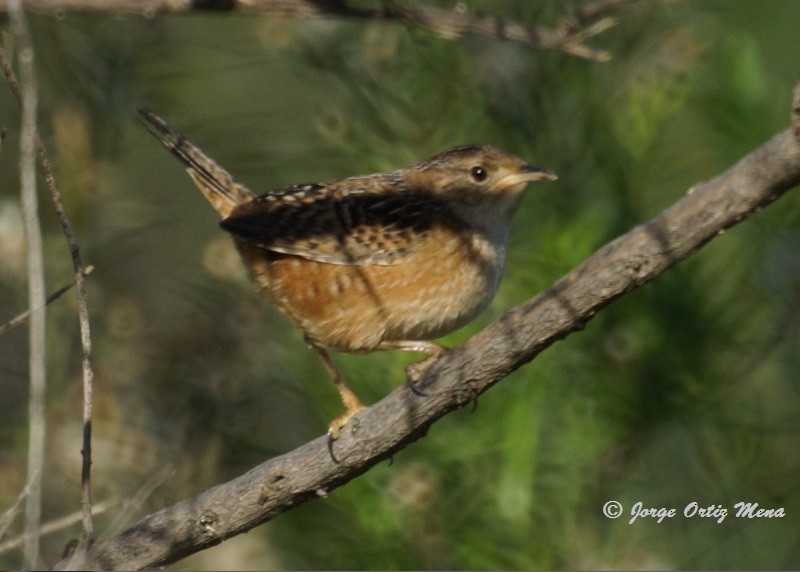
(36, 284)
(77, 558)
(83, 313)
(20, 318)
(58, 524)
(7, 519)
(137, 502)
(569, 36)
(582, 15)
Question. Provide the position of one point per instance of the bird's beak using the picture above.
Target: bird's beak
(538, 174)
(527, 174)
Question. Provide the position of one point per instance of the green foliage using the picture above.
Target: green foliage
(684, 390)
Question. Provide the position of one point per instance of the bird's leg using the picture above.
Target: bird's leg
(349, 399)
(415, 370)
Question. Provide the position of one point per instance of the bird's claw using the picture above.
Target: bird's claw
(414, 373)
(335, 427)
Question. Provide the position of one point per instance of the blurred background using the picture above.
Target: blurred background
(685, 390)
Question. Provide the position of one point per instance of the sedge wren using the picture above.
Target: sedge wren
(385, 261)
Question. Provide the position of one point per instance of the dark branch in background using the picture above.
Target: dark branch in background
(83, 308)
(316, 468)
(569, 35)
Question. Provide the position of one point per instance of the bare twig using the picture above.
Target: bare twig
(58, 524)
(36, 285)
(314, 469)
(582, 15)
(77, 558)
(20, 318)
(582, 24)
(569, 35)
(134, 504)
(7, 518)
(83, 310)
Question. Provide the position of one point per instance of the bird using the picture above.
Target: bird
(377, 262)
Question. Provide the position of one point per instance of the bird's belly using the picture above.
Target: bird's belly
(430, 292)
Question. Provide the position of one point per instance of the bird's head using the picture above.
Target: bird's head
(479, 182)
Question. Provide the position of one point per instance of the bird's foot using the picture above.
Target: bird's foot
(335, 427)
(414, 373)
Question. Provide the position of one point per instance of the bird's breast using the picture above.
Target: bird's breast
(443, 283)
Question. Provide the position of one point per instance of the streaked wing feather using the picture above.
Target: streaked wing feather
(353, 221)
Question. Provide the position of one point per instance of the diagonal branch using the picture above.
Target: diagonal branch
(569, 35)
(316, 468)
(22, 316)
(7, 518)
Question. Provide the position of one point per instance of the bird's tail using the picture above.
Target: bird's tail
(216, 184)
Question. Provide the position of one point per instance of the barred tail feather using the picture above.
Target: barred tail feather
(216, 184)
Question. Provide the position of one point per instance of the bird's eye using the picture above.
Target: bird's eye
(478, 173)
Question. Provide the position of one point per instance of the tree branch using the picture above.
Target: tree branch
(314, 469)
(569, 35)
(83, 307)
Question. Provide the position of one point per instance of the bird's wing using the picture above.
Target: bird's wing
(352, 221)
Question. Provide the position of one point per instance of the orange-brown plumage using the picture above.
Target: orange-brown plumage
(376, 262)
